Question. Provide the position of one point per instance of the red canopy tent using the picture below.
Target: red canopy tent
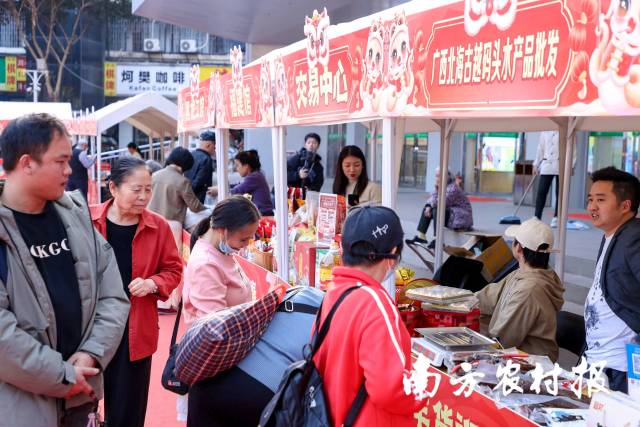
(452, 66)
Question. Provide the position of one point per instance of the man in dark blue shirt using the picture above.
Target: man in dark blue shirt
(201, 174)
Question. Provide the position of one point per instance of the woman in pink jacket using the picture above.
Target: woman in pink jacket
(211, 281)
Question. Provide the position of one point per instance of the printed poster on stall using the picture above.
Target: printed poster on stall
(332, 210)
(260, 279)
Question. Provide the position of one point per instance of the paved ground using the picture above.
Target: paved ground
(582, 246)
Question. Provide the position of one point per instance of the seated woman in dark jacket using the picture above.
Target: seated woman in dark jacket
(254, 182)
(458, 213)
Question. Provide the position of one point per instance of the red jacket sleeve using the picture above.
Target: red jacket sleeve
(385, 355)
(169, 272)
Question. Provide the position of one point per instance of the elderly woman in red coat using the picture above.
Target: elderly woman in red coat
(151, 268)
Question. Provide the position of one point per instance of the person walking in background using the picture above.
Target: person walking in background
(133, 150)
(612, 307)
(201, 174)
(62, 306)
(80, 163)
(150, 268)
(352, 180)
(458, 212)
(211, 279)
(547, 166)
(304, 168)
(253, 183)
(172, 193)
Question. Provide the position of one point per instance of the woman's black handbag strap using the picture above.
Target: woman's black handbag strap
(176, 325)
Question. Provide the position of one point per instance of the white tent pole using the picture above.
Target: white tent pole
(389, 186)
(446, 132)
(373, 164)
(99, 166)
(567, 137)
(282, 209)
(163, 137)
(94, 151)
(150, 142)
(222, 156)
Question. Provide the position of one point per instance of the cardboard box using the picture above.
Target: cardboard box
(613, 409)
(304, 258)
(495, 253)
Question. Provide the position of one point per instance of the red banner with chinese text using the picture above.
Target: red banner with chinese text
(196, 106)
(247, 100)
(484, 58)
(81, 126)
(477, 410)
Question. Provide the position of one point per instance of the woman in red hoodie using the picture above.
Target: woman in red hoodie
(150, 268)
(367, 341)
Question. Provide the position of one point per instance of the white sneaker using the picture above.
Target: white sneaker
(554, 222)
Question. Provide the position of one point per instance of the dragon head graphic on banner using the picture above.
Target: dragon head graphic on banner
(315, 30)
(614, 67)
(235, 57)
(478, 13)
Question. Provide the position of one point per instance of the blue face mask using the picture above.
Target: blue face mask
(391, 273)
(224, 247)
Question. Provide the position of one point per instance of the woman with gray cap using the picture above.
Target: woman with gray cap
(523, 306)
(172, 191)
(368, 348)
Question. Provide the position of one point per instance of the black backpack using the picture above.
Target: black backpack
(300, 400)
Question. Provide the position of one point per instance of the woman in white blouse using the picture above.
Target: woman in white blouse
(352, 180)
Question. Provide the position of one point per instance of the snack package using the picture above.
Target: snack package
(438, 294)
(401, 291)
(326, 259)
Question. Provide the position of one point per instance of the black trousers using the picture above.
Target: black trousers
(617, 380)
(76, 417)
(126, 388)
(230, 399)
(423, 223)
(543, 190)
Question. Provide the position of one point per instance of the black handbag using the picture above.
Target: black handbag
(300, 400)
(169, 380)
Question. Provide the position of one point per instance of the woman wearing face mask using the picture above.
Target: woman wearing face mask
(151, 268)
(253, 183)
(367, 349)
(211, 281)
(352, 180)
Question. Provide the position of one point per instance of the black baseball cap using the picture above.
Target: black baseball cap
(208, 135)
(378, 226)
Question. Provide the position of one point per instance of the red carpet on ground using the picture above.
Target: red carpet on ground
(161, 409)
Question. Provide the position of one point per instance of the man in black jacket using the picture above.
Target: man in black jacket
(612, 308)
(201, 174)
(80, 162)
(304, 168)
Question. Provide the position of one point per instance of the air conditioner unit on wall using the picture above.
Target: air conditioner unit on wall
(188, 46)
(151, 45)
